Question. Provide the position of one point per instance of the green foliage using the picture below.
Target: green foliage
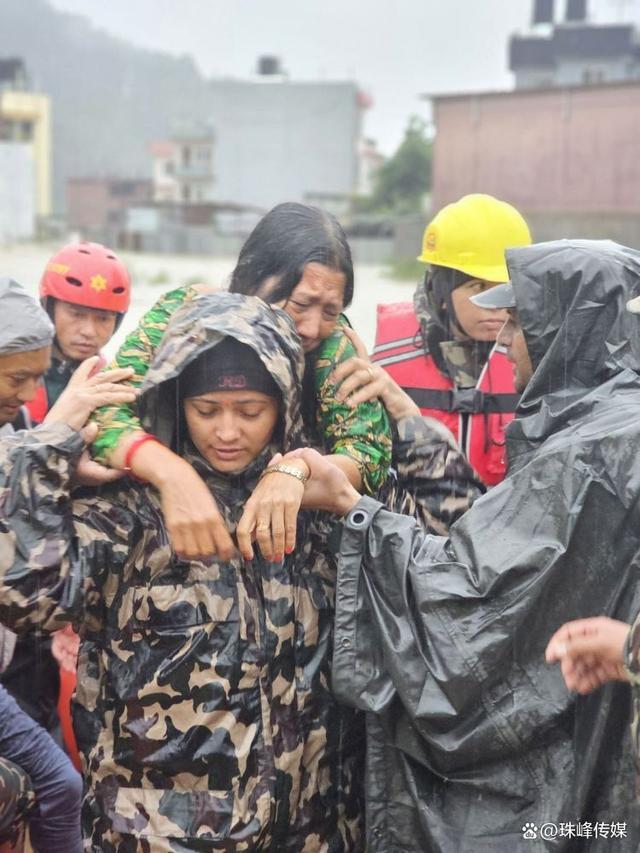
(404, 179)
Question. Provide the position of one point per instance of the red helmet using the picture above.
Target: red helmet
(87, 274)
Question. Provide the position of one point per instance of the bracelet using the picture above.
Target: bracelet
(134, 447)
(281, 468)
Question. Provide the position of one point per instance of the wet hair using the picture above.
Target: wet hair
(285, 240)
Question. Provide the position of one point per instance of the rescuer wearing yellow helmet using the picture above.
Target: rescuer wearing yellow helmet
(441, 350)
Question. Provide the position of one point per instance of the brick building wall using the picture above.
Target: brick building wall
(554, 151)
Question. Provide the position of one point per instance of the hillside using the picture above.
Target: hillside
(109, 98)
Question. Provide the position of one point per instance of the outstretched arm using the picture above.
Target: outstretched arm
(591, 652)
(435, 482)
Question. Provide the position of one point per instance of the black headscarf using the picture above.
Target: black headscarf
(229, 366)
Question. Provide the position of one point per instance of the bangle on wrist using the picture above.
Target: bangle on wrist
(281, 468)
(133, 449)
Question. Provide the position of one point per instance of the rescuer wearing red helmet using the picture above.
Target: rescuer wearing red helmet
(86, 290)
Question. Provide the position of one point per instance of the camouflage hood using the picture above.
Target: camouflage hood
(461, 359)
(201, 325)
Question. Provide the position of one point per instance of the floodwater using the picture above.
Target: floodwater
(154, 274)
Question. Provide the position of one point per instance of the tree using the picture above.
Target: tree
(404, 179)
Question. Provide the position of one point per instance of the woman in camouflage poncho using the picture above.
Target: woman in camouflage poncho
(203, 712)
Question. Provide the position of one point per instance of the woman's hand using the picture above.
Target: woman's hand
(360, 380)
(328, 487)
(590, 652)
(88, 472)
(65, 645)
(271, 513)
(194, 522)
(88, 390)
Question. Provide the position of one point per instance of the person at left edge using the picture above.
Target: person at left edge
(38, 785)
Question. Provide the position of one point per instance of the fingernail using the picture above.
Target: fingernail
(278, 558)
(288, 550)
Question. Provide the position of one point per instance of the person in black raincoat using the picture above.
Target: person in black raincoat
(474, 742)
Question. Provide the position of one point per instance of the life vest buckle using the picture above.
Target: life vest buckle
(469, 401)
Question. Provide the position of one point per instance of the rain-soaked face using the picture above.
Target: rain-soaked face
(82, 332)
(512, 338)
(20, 374)
(231, 428)
(480, 324)
(314, 304)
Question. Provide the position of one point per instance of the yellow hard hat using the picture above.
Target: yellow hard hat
(472, 235)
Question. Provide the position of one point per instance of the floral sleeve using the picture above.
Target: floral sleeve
(137, 351)
(363, 434)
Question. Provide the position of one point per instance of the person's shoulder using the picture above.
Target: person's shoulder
(121, 505)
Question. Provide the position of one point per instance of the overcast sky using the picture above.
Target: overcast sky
(394, 49)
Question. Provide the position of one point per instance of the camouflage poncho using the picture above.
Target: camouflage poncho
(203, 709)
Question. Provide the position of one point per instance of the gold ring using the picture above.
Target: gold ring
(372, 375)
(262, 527)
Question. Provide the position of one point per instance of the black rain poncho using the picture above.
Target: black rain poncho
(471, 736)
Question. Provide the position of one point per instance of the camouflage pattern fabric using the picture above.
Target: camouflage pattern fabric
(17, 801)
(461, 357)
(632, 667)
(137, 351)
(203, 710)
(434, 483)
(363, 434)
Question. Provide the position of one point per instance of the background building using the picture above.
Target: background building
(574, 51)
(97, 207)
(183, 168)
(566, 153)
(283, 140)
(25, 153)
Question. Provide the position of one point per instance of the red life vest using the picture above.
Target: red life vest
(478, 416)
(39, 406)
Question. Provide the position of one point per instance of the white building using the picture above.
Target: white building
(17, 198)
(183, 169)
